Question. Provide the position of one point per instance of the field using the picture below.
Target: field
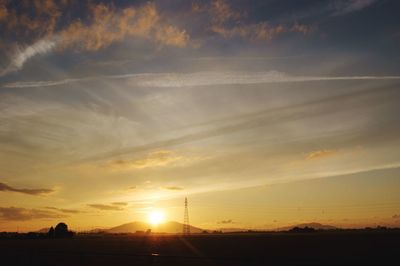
(322, 248)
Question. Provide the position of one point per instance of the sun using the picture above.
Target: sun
(156, 217)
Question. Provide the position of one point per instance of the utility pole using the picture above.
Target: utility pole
(186, 226)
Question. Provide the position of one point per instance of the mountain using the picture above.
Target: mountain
(170, 227)
(316, 226)
(43, 230)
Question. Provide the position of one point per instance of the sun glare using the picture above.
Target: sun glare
(156, 217)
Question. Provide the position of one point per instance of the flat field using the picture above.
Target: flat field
(322, 248)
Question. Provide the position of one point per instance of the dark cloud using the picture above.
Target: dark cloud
(230, 221)
(396, 216)
(35, 192)
(120, 203)
(22, 214)
(105, 207)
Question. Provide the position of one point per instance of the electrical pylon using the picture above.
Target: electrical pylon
(186, 226)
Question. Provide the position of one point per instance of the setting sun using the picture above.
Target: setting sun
(156, 217)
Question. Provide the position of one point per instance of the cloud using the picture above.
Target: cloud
(3, 11)
(172, 36)
(349, 6)
(231, 78)
(396, 216)
(109, 25)
(69, 211)
(173, 188)
(19, 58)
(153, 159)
(33, 20)
(230, 23)
(240, 123)
(254, 32)
(221, 12)
(35, 192)
(120, 203)
(320, 154)
(22, 214)
(302, 28)
(260, 31)
(230, 221)
(105, 207)
(104, 26)
(168, 80)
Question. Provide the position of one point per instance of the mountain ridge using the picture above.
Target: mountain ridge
(171, 227)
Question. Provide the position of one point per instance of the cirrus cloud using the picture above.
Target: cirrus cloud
(106, 207)
(104, 26)
(34, 192)
(23, 214)
(173, 188)
(320, 154)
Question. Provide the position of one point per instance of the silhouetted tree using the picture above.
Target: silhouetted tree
(302, 230)
(61, 231)
(50, 234)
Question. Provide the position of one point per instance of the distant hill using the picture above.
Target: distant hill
(167, 227)
(43, 230)
(316, 226)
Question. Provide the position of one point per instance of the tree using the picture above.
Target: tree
(61, 231)
(51, 232)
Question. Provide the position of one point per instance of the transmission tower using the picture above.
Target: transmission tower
(186, 226)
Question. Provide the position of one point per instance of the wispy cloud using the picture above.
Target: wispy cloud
(228, 78)
(104, 25)
(35, 192)
(230, 22)
(22, 214)
(69, 211)
(105, 207)
(120, 203)
(320, 154)
(237, 124)
(21, 56)
(348, 6)
(153, 159)
(108, 25)
(173, 188)
(167, 80)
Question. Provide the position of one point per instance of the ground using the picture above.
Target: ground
(329, 248)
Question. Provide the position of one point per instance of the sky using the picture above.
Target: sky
(264, 113)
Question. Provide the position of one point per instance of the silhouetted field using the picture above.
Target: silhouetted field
(322, 248)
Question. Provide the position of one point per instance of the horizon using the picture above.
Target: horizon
(155, 228)
(264, 114)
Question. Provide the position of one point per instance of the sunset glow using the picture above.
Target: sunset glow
(156, 217)
(263, 113)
